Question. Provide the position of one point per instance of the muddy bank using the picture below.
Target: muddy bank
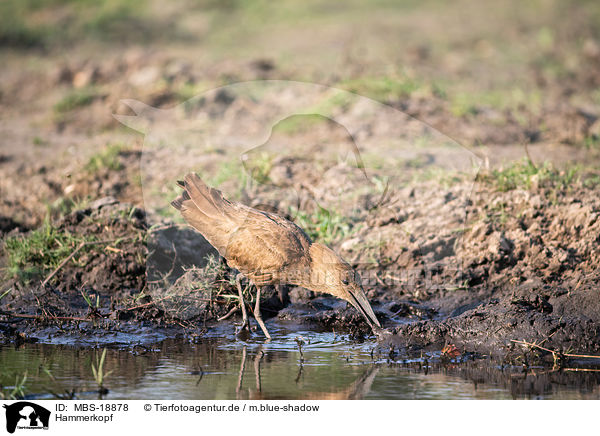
(524, 272)
(500, 327)
(80, 264)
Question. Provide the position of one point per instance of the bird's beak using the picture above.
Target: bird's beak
(360, 302)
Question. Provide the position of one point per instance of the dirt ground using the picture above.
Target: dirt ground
(468, 202)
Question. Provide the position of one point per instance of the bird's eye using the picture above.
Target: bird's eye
(345, 282)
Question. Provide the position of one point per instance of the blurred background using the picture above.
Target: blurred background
(495, 76)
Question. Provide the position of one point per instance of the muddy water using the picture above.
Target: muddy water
(328, 366)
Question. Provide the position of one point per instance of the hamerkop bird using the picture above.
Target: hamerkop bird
(268, 249)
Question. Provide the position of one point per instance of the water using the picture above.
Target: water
(328, 367)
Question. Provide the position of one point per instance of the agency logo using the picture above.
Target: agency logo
(26, 415)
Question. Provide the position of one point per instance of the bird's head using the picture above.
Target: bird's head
(329, 273)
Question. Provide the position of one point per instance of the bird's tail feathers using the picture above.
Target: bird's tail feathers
(207, 200)
(178, 202)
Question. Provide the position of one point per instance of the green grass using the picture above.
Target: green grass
(15, 392)
(259, 165)
(313, 115)
(40, 251)
(89, 300)
(54, 23)
(373, 160)
(299, 123)
(5, 293)
(39, 141)
(323, 225)
(100, 374)
(524, 174)
(463, 104)
(499, 213)
(383, 89)
(75, 99)
(15, 33)
(108, 158)
(16, 30)
(591, 181)
(444, 177)
(229, 170)
(164, 195)
(65, 205)
(112, 19)
(591, 142)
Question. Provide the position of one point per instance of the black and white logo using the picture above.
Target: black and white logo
(26, 415)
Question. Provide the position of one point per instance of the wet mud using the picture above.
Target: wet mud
(515, 291)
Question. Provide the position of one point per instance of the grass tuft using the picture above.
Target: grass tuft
(299, 123)
(40, 251)
(323, 225)
(227, 171)
(525, 175)
(591, 142)
(383, 89)
(108, 158)
(99, 373)
(259, 166)
(75, 99)
(15, 392)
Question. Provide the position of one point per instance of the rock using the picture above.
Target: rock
(300, 295)
(500, 245)
(102, 202)
(349, 244)
(69, 189)
(85, 77)
(144, 77)
(174, 249)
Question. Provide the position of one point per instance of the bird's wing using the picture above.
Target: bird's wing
(266, 243)
(205, 209)
(252, 241)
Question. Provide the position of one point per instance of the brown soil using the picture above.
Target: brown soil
(447, 254)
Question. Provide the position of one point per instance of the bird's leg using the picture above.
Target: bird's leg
(257, 316)
(257, 359)
(245, 323)
(241, 374)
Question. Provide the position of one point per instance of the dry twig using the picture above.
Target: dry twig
(228, 314)
(46, 317)
(73, 253)
(556, 353)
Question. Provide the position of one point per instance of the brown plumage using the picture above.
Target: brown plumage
(267, 248)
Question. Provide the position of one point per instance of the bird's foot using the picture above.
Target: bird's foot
(244, 331)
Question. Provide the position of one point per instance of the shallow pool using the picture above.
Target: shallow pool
(294, 365)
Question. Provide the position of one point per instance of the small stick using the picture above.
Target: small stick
(228, 314)
(73, 253)
(61, 318)
(381, 282)
(150, 303)
(581, 369)
(68, 258)
(583, 356)
(391, 277)
(529, 156)
(147, 304)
